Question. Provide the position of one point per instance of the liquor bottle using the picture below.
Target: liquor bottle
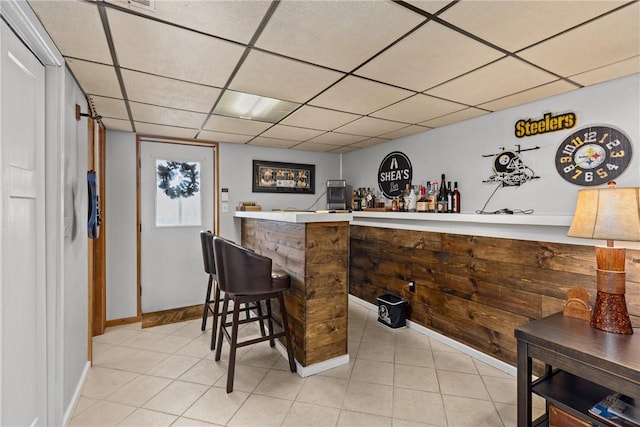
(449, 197)
(394, 205)
(402, 205)
(456, 198)
(421, 204)
(441, 200)
(431, 196)
(410, 198)
(355, 203)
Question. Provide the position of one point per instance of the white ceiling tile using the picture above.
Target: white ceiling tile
(504, 77)
(234, 20)
(405, 131)
(337, 34)
(431, 6)
(276, 77)
(607, 40)
(369, 142)
(167, 92)
(110, 107)
(96, 79)
(344, 149)
(458, 116)
(360, 96)
(166, 116)
(76, 28)
(117, 124)
(369, 126)
(514, 25)
(164, 131)
(429, 56)
(272, 142)
(314, 146)
(534, 94)
(608, 72)
(292, 133)
(417, 109)
(233, 125)
(319, 118)
(207, 135)
(335, 138)
(156, 48)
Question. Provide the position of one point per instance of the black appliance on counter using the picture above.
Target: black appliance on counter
(336, 194)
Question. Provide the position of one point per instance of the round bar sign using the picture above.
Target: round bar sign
(394, 173)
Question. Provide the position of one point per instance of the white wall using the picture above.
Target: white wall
(457, 150)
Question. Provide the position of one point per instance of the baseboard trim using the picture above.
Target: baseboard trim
(476, 354)
(316, 368)
(76, 395)
(123, 321)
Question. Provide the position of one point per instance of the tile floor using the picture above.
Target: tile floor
(167, 376)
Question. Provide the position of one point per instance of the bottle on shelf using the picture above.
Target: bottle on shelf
(431, 196)
(421, 203)
(449, 197)
(394, 205)
(355, 203)
(441, 200)
(410, 198)
(456, 198)
(402, 205)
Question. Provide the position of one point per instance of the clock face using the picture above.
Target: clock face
(593, 155)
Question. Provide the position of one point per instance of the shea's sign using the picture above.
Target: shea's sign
(394, 173)
(548, 123)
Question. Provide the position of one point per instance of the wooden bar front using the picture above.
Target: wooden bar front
(316, 256)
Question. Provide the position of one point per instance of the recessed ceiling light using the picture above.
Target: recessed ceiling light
(253, 107)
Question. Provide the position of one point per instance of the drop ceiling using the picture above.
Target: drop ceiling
(360, 72)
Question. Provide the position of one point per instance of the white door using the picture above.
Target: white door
(22, 237)
(172, 214)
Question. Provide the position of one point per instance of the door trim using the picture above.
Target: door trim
(216, 212)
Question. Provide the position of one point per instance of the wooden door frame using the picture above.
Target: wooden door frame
(216, 213)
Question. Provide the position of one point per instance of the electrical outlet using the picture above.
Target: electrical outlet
(412, 286)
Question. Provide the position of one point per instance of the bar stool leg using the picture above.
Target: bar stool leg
(223, 318)
(233, 345)
(259, 308)
(216, 314)
(272, 342)
(205, 312)
(287, 333)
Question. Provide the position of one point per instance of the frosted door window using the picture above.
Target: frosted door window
(178, 201)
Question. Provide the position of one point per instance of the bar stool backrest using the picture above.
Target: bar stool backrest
(239, 270)
(206, 240)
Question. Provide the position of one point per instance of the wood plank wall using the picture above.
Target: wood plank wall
(476, 290)
(316, 257)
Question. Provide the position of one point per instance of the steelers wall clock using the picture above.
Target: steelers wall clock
(593, 155)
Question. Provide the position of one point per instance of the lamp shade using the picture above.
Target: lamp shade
(607, 214)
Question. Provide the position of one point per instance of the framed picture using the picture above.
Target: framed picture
(278, 177)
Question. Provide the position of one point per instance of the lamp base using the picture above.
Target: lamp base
(610, 314)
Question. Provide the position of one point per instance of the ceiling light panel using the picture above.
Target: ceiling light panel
(231, 138)
(233, 125)
(369, 126)
(291, 133)
(166, 116)
(319, 118)
(458, 116)
(607, 40)
(543, 91)
(252, 107)
(96, 79)
(609, 72)
(431, 55)
(504, 77)
(76, 28)
(359, 96)
(156, 48)
(337, 34)
(417, 109)
(166, 92)
(233, 20)
(165, 131)
(276, 77)
(110, 107)
(514, 25)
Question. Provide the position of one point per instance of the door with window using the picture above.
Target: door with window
(176, 202)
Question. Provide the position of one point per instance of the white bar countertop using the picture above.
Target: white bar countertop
(294, 216)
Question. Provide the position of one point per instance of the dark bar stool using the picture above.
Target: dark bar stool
(246, 277)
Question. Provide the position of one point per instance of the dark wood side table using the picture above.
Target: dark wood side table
(582, 365)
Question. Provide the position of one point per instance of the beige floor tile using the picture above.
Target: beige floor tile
(370, 371)
(502, 390)
(116, 335)
(102, 414)
(374, 399)
(440, 346)
(101, 382)
(352, 348)
(139, 390)
(261, 411)
(282, 364)
(342, 371)
(216, 406)
(282, 384)
(379, 334)
(205, 372)
(508, 414)
(169, 328)
(489, 371)
(322, 390)
(309, 415)
(462, 384)
(100, 347)
(173, 366)
(188, 422)
(144, 417)
(176, 397)
(405, 423)
(192, 329)
(376, 351)
(416, 378)
(246, 378)
(463, 412)
(260, 355)
(83, 404)
(457, 362)
(418, 406)
(200, 347)
(142, 361)
(411, 338)
(414, 356)
(144, 340)
(113, 356)
(358, 419)
(171, 343)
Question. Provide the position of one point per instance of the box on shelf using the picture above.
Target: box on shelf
(558, 417)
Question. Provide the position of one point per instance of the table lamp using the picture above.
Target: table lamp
(609, 214)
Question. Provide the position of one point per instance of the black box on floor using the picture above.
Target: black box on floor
(392, 311)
